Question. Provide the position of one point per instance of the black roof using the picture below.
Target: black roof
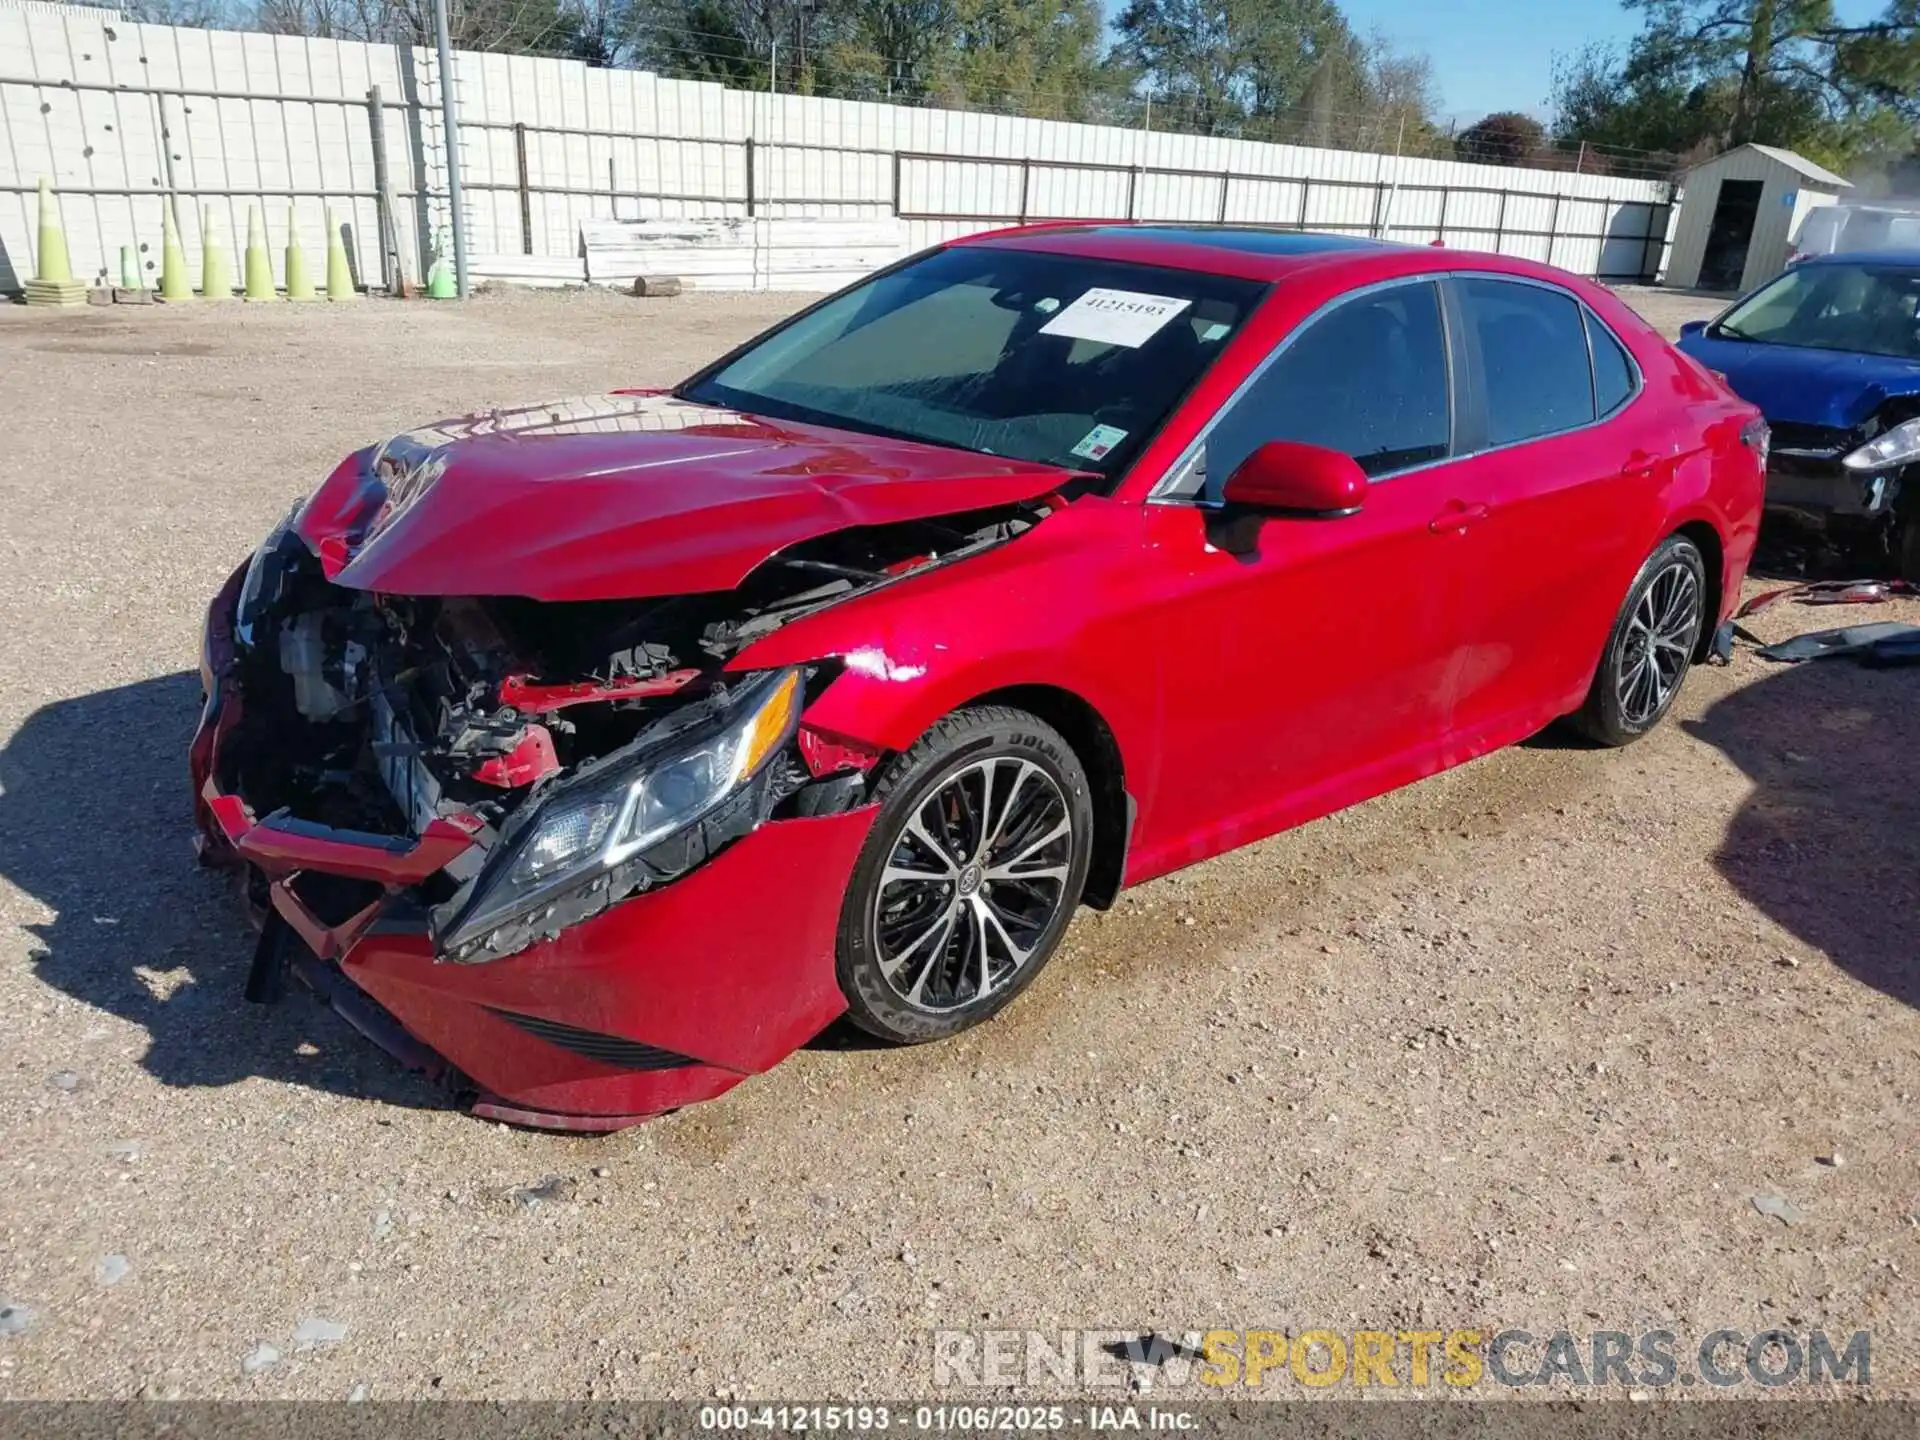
(1251, 239)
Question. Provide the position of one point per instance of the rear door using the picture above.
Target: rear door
(1570, 466)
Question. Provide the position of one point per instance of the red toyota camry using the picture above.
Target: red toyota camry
(595, 755)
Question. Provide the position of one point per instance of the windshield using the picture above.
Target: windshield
(1864, 307)
(1055, 358)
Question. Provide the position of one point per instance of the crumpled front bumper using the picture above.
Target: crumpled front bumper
(1818, 486)
(668, 998)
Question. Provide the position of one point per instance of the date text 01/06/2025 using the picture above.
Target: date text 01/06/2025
(943, 1419)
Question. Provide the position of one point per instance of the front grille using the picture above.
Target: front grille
(592, 1045)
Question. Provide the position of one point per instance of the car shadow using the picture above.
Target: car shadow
(1828, 843)
(95, 824)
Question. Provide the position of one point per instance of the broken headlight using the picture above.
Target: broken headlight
(262, 584)
(578, 835)
(1898, 446)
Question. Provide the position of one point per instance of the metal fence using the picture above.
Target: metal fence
(1642, 223)
(540, 139)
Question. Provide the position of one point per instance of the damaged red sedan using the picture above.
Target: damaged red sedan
(595, 755)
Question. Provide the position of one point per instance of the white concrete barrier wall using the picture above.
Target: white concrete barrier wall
(228, 119)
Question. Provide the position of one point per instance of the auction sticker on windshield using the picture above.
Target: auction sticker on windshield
(1099, 441)
(1115, 317)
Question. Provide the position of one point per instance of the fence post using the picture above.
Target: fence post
(450, 128)
(1553, 227)
(1133, 181)
(1500, 227)
(1026, 174)
(382, 204)
(1300, 221)
(896, 184)
(526, 194)
(1226, 184)
(1441, 233)
(750, 195)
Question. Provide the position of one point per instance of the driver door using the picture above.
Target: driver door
(1311, 663)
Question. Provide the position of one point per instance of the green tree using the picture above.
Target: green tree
(891, 49)
(1399, 91)
(1704, 75)
(742, 43)
(1504, 138)
(1026, 57)
(1220, 64)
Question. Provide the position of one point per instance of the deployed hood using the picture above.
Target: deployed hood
(1801, 386)
(625, 496)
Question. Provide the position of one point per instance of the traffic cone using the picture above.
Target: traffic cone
(131, 290)
(339, 275)
(259, 268)
(299, 284)
(174, 288)
(216, 275)
(442, 284)
(53, 282)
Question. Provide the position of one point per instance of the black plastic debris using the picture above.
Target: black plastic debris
(1879, 646)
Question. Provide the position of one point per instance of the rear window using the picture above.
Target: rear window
(1533, 358)
(1612, 371)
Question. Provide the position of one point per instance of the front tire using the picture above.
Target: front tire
(1651, 648)
(969, 877)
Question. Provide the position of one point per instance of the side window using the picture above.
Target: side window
(1368, 378)
(1533, 358)
(1612, 371)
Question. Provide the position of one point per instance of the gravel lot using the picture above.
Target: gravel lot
(1516, 1046)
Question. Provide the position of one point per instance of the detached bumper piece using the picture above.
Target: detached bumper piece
(1879, 647)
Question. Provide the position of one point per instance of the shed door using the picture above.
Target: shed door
(1730, 235)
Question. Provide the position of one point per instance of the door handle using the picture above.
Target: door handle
(1458, 515)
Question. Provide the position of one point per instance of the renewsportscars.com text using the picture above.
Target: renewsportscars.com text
(1416, 1359)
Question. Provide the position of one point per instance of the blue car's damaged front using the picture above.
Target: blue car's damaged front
(1830, 352)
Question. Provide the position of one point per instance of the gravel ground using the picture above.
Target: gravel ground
(1514, 1047)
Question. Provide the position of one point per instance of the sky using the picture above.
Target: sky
(1498, 54)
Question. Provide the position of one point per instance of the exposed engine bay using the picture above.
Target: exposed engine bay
(593, 748)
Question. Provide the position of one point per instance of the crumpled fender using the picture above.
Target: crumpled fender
(1058, 606)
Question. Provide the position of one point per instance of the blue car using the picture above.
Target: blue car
(1830, 352)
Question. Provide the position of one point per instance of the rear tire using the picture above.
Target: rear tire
(969, 878)
(1651, 647)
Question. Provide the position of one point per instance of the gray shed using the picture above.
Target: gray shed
(1737, 213)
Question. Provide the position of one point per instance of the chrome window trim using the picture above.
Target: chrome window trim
(1177, 487)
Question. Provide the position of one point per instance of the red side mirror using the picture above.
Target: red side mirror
(1284, 477)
